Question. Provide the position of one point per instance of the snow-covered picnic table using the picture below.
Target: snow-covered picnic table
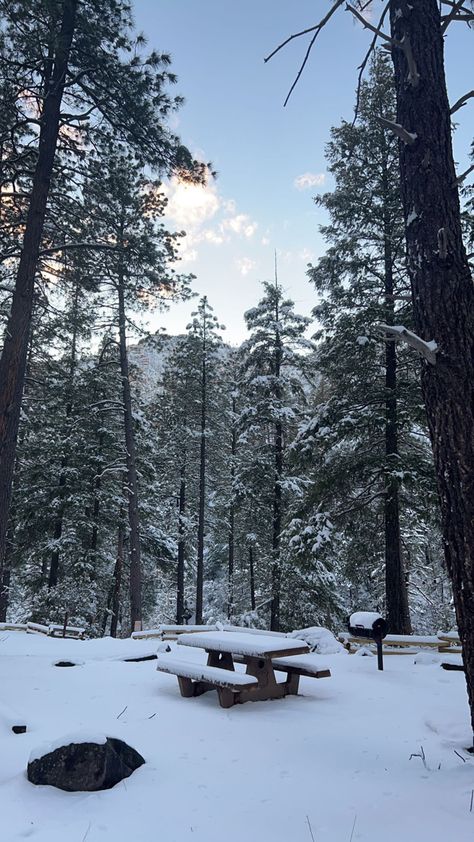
(261, 654)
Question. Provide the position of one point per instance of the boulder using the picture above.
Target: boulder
(84, 765)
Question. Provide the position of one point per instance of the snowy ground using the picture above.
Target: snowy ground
(330, 765)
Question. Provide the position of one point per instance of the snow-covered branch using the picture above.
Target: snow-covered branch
(399, 332)
(400, 131)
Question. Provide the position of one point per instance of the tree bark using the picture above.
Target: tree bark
(13, 359)
(252, 578)
(442, 290)
(278, 471)
(396, 591)
(231, 554)
(5, 589)
(202, 482)
(117, 583)
(181, 543)
(58, 526)
(131, 462)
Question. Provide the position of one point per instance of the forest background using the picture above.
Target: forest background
(280, 483)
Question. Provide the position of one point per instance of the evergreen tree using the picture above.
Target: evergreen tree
(85, 73)
(205, 342)
(273, 386)
(124, 209)
(368, 432)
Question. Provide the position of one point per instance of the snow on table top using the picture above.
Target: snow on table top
(201, 672)
(243, 643)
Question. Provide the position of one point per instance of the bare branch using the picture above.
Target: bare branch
(463, 175)
(461, 101)
(316, 29)
(366, 58)
(456, 7)
(367, 25)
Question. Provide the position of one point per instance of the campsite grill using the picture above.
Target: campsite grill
(369, 625)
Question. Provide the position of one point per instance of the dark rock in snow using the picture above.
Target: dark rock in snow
(65, 664)
(85, 766)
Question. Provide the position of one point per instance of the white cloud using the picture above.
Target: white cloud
(208, 235)
(309, 179)
(190, 205)
(206, 217)
(240, 224)
(265, 241)
(245, 265)
(188, 255)
(306, 254)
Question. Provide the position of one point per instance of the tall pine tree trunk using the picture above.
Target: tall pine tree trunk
(58, 526)
(252, 577)
(231, 548)
(278, 472)
(202, 488)
(13, 359)
(131, 462)
(117, 581)
(398, 617)
(5, 587)
(276, 530)
(97, 484)
(181, 543)
(442, 289)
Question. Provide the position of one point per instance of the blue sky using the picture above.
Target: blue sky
(270, 159)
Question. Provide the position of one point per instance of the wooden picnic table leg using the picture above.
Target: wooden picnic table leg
(267, 687)
(224, 660)
(227, 697)
(186, 687)
(292, 683)
(190, 688)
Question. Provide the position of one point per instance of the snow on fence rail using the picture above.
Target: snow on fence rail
(51, 629)
(407, 644)
(169, 632)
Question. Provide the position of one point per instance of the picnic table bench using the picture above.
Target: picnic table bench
(261, 654)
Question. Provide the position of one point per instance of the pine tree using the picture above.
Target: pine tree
(174, 416)
(369, 426)
(124, 209)
(439, 271)
(70, 54)
(205, 341)
(273, 385)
